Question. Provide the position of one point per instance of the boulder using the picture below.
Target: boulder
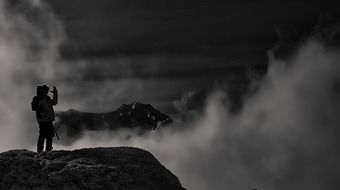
(121, 168)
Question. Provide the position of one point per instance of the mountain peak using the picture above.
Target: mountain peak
(143, 117)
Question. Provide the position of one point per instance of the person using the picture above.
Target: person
(42, 104)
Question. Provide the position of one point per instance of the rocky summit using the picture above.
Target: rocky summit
(136, 117)
(120, 168)
(73, 123)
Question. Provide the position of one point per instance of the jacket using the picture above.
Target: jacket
(43, 106)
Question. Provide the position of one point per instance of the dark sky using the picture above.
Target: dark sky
(192, 42)
(217, 28)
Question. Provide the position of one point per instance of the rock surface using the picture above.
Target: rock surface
(137, 117)
(128, 116)
(121, 168)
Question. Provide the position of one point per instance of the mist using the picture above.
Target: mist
(284, 137)
(29, 35)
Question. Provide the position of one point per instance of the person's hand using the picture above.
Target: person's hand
(54, 90)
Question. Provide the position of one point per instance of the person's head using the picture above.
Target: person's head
(43, 90)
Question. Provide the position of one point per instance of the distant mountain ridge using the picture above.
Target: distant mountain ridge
(139, 116)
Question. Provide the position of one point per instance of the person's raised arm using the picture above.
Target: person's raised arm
(55, 96)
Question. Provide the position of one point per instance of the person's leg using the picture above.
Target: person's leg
(50, 135)
(40, 146)
(49, 143)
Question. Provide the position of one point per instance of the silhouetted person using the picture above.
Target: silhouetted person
(42, 104)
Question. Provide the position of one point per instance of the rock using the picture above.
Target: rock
(121, 168)
(137, 116)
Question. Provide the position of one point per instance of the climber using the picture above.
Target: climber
(42, 104)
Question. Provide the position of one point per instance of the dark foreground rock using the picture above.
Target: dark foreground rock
(121, 168)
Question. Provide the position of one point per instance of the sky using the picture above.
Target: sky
(215, 28)
(174, 47)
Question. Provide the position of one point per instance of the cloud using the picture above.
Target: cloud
(29, 35)
(285, 137)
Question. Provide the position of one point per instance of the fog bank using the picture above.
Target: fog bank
(285, 137)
